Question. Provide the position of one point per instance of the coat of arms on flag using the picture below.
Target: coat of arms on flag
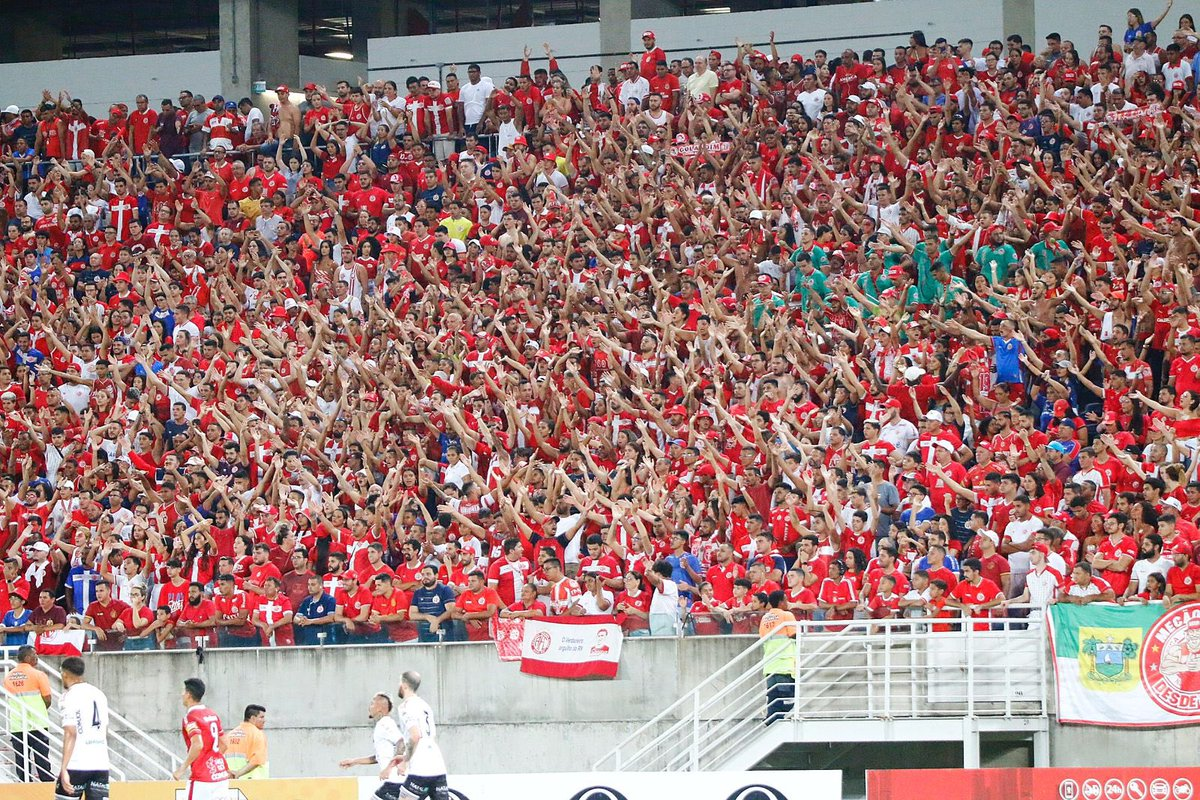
(1108, 657)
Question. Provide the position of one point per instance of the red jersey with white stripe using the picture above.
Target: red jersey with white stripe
(209, 767)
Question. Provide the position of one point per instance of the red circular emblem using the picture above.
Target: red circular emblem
(540, 643)
(1170, 661)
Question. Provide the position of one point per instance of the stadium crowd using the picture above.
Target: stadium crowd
(906, 332)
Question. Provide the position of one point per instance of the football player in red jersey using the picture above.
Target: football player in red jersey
(205, 761)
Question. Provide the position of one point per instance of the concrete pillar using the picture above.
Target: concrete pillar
(615, 16)
(34, 33)
(259, 41)
(1019, 16)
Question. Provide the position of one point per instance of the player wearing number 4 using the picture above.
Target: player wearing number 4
(206, 747)
(85, 737)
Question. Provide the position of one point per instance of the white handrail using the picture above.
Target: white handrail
(921, 673)
(134, 753)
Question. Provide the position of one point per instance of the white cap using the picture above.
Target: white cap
(868, 85)
(12, 110)
(178, 164)
(991, 535)
(935, 416)
(853, 99)
(949, 446)
(913, 373)
(434, 85)
(756, 214)
(1173, 501)
(41, 547)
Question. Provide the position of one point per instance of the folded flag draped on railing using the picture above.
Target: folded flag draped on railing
(60, 643)
(561, 647)
(1132, 665)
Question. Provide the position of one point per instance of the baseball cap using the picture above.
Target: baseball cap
(282, 88)
(913, 373)
(40, 547)
(309, 87)
(12, 110)
(934, 416)
(648, 35)
(434, 85)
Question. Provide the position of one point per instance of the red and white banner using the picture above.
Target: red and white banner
(1099, 783)
(571, 647)
(509, 633)
(693, 148)
(60, 643)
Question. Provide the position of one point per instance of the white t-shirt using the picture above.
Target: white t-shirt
(426, 759)
(474, 97)
(1018, 532)
(666, 598)
(1144, 568)
(85, 708)
(384, 739)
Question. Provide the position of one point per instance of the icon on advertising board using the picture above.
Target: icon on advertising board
(1092, 790)
(1136, 789)
(1068, 790)
(1114, 789)
(1182, 789)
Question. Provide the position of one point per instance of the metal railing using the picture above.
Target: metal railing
(135, 754)
(849, 670)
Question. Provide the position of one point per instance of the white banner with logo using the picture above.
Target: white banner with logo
(766, 785)
(571, 647)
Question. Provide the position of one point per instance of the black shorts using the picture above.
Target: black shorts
(424, 787)
(86, 784)
(388, 791)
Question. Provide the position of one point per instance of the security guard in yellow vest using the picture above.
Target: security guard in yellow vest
(27, 694)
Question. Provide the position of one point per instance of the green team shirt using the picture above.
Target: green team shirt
(1044, 253)
(995, 261)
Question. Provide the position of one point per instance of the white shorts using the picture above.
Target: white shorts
(202, 790)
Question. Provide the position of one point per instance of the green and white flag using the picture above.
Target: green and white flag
(1129, 665)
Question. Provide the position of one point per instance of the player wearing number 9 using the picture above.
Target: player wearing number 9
(205, 761)
(85, 762)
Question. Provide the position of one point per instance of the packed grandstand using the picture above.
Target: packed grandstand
(911, 332)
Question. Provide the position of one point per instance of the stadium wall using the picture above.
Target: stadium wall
(487, 711)
(100, 82)
(883, 24)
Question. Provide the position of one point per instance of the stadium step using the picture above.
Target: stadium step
(862, 681)
(135, 755)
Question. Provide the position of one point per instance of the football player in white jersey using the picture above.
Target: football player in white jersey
(426, 768)
(85, 761)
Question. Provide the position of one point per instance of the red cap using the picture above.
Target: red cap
(1052, 333)
(677, 411)
(392, 248)
(1178, 86)
(282, 88)
(488, 241)
(715, 54)
(123, 276)
(648, 35)
(893, 403)
(310, 87)
(1110, 418)
(1042, 548)
(1061, 408)
(520, 140)
(765, 280)
(279, 312)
